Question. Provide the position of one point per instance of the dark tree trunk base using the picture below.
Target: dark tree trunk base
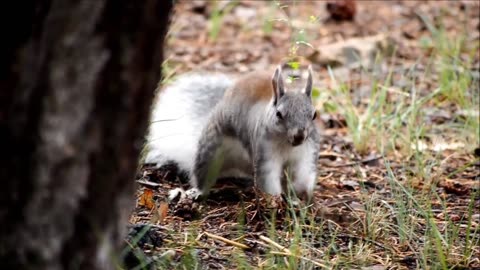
(77, 81)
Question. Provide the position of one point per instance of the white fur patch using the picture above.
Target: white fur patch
(304, 172)
(193, 193)
(175, 127)
(176, 193)
(300, 161)
(272, 183)
(273, 165)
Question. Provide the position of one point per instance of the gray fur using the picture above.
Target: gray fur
(272, 142)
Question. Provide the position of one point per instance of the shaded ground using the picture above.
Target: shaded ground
(396, 195)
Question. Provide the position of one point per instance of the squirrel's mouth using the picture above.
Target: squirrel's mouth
(297, 139)
(296, 142)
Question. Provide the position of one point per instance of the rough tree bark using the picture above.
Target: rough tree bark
(77, 79)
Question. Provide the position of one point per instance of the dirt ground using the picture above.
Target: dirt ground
(352, 181)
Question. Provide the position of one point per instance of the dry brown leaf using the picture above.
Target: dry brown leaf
(162, 211)
(455, 187)
(146, 199)
(159, 212)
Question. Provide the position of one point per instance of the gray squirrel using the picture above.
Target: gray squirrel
(261, 128)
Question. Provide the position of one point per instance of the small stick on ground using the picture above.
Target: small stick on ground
(275, 244)
(227, 241)
(299, 257)
(356, 162)
(287, 252)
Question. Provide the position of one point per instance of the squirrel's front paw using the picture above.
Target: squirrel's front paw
(178, 194)
(194, 193)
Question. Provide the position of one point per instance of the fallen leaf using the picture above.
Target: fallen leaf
(455, 217)
(160, 213)
(146, 199)
(454, 187)
(451, 217)
(357, 206)
(350, 184)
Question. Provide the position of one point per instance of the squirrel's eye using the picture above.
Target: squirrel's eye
(279, 115)
(314, 115)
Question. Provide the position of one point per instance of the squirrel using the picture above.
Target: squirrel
(260, 127)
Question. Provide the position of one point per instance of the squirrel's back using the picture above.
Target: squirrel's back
(253, 87)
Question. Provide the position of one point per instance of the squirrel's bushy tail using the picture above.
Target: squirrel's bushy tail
(178, 116)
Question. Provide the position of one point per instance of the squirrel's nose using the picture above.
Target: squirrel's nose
(298, 138)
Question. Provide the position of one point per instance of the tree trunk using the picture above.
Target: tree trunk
(77, 79)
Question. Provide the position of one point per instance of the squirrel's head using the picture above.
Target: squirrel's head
(294, 111)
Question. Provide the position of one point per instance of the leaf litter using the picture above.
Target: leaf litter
(360, 195)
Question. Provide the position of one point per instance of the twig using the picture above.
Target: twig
(129, 244)
(326, 177)
(299, 257)
(227, 241)
(212, 216)
(370, 241)
(149, 184)
(199, 236)
(287, 252)
(327, 154)
(275, 244)
(356, 162)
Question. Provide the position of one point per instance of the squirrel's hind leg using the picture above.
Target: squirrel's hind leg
(237, 161)
(207, 162)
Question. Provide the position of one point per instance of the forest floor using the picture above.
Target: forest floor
(397, 90)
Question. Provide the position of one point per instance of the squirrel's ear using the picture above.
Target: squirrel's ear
(308, 87)
(277, 83)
